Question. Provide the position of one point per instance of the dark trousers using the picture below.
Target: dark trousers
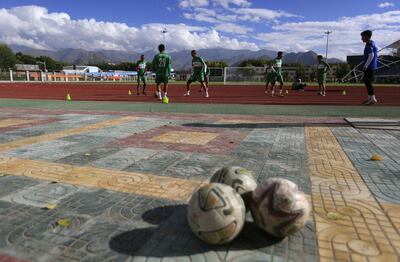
(368, 79)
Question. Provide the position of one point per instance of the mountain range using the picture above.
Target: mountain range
(180, 60)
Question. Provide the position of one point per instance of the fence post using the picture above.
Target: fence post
(11, 76)
(41, 76)
(27, 76)
(224, 75)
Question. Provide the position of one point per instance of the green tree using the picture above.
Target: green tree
(342, 70)
(25, 59)
(313, 73)
(301, 71)
(7, 58)
(221, 64)
(51, 64)
(254, 62)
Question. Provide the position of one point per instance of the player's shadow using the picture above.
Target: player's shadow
(170, 236)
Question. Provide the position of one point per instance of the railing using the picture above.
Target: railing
(37, 76)
(216, 75)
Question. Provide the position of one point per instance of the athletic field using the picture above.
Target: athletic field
(219, 94)
(106, 176)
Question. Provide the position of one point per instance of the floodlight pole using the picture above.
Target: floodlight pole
(327, 44)
(164, 31)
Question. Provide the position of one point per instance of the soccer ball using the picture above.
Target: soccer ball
(165, 100)
(279, 207)
(216, 213)
(241, 179)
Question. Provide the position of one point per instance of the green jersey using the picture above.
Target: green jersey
(199, 66)
(141, 67)
(162, 64)
(322, 68)
(277, 65)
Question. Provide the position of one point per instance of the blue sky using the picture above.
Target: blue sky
(288, 25)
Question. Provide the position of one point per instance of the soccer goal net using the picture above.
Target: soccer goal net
(216, 74)
(244, 75)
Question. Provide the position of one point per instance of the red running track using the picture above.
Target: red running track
(230, 94)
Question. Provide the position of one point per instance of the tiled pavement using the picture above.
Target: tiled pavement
(120, 181)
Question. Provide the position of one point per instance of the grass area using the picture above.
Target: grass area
(287, 110)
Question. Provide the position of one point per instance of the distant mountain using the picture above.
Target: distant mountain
(181, 60)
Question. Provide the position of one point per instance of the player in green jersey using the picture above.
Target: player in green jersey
(269, 77)
(162, 67)
(141, 70)
(198, 74)
(322, 70)
(277, 68)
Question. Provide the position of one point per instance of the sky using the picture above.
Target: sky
(135, 26)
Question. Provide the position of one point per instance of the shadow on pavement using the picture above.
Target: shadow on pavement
(173, 237)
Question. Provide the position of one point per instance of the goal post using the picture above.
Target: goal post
(244, 75)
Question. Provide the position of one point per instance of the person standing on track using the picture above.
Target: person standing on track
(141, 70)
(370, 64)
(162, 67)
(269, 77)
(277, 69)
(322, 70)
(199, 69)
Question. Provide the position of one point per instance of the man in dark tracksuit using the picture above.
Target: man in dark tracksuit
(370, 64)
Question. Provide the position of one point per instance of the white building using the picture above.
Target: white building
(80, 70)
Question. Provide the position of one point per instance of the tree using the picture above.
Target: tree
(253, 62)
(220, 64)
(51, 64)
(7, 58)
(301, 71)
(25, 59)
(342, 70)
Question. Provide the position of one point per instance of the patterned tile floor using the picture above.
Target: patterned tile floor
(120, 182)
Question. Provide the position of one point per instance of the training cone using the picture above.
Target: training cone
(376, 158)
(129, 93)
(69, 97)
(344, 92)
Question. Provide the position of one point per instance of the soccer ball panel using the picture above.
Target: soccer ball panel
(279, 207)
(216, 213)
(241, 179)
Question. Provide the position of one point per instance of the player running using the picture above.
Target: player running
(277, 68)
(199, 73)
(141, 70)
(370, 64)
(322, 70)
(270, 77)
(162, 67)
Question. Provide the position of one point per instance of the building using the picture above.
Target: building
(80, 70)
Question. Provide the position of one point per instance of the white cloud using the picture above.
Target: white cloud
(192, 3)
(385, 4)
(261, 14)
(228, 15)
(202, 3)
(304, 36)
(35, 27)
(233, 28)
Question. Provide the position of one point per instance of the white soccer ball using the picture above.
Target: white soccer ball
(279, 207)
(240, 179)
(216, 213)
